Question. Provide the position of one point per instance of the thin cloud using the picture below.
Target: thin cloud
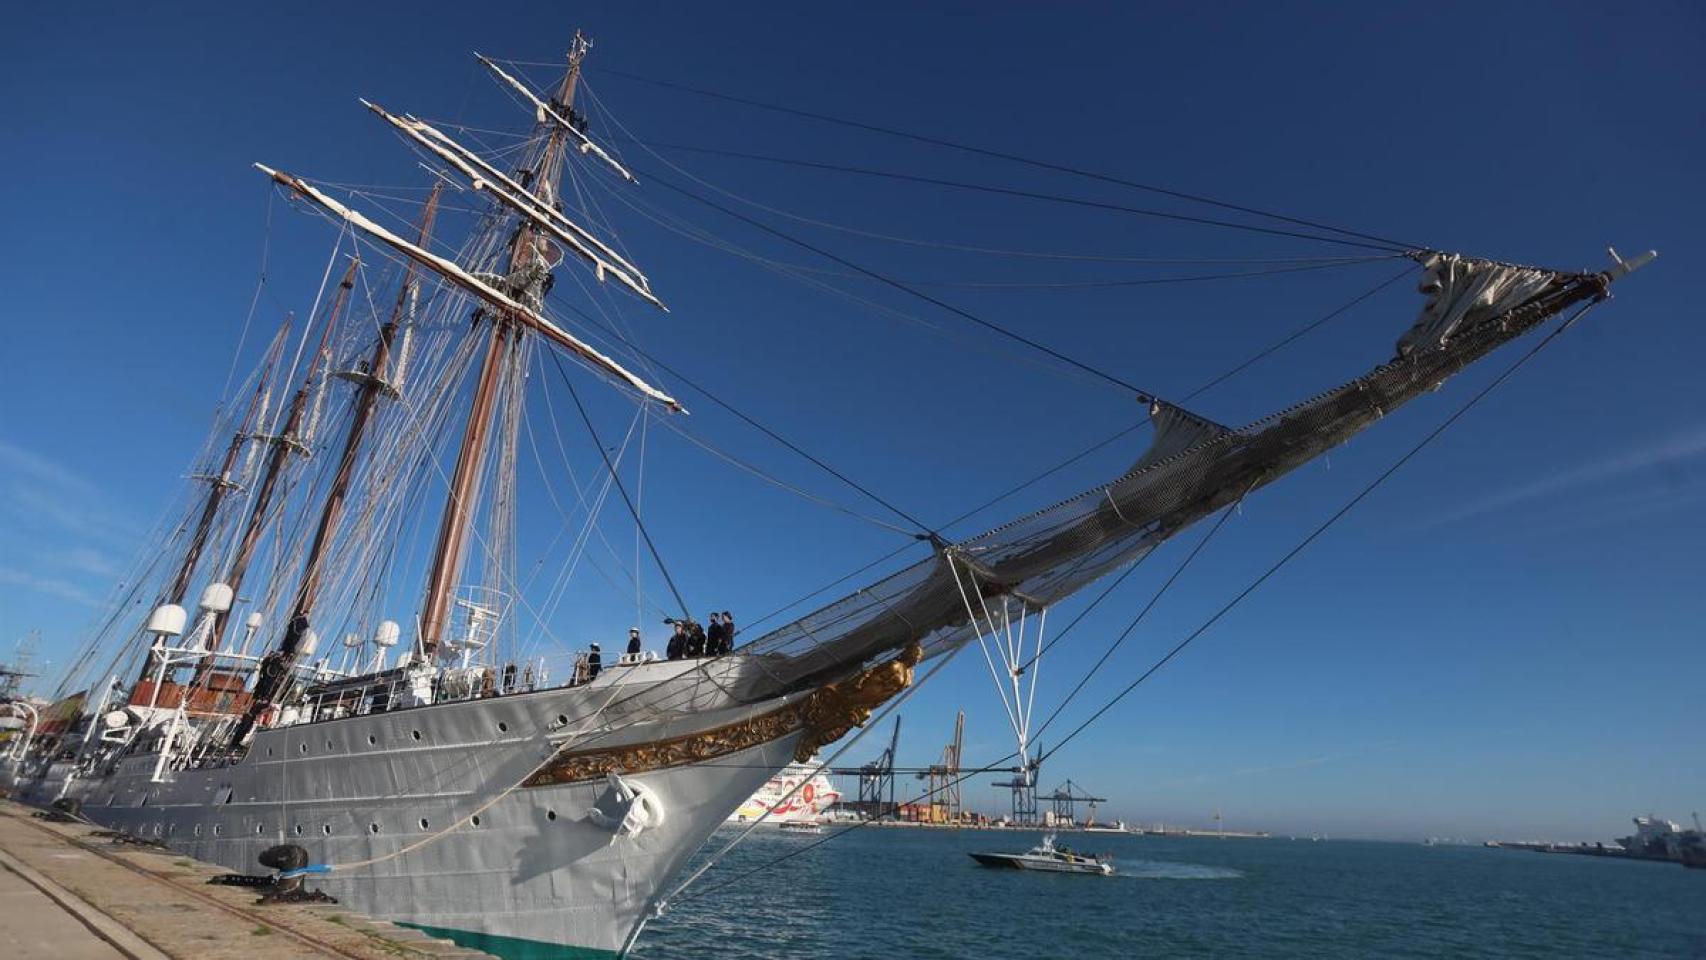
(41, 498)
(1664, 460)
(51, 586)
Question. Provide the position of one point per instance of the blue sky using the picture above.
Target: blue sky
(1504, 640)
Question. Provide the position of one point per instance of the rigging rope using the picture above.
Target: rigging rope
(1262, 354)
(925, 531)
(1024, 194)
(1142, 394)
(1001, 155)
(639, 524)
(1204, 627)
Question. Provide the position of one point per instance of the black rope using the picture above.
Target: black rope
(1142, 394)
(925, 531)
(1025, 194)
(1135, 621)
(1098, 445)
(686, 612)
(1274, 347)
(1011, 157)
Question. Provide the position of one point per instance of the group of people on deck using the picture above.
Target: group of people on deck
(692, 641)
(689, 642)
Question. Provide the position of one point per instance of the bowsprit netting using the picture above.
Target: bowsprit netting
(1192, 468)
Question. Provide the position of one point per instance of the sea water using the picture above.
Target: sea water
(888, 892)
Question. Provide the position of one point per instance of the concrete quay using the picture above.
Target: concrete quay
(65, 895)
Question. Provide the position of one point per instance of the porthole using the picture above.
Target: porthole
(373, 828)
(371, 739)
(260, 828)
(328, 746)
(503, 727)
(269, 751)
(326, 829)
(302, 747)
(298, 829)
(415, 733)
(550, 814)
(217, 829)
(562, 720)
(197, 830)
(424, 823)
(475, 820)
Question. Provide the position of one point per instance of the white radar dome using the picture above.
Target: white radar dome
(388, 634)
(352, 640)
(116, 719)
(167, 620)
(216, 598)
(255, 620)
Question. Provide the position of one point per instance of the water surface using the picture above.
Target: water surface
(901, 893)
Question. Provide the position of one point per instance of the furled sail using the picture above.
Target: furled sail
(469, 283)
(1192, 469)
(543, 112)
(485, 177)
(1463, 291)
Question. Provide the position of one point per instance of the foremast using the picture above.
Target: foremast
(526, 278)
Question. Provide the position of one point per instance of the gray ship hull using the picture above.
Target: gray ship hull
(379, 797)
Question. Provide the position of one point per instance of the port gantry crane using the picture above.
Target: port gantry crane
(1066, 798)
(876, 780)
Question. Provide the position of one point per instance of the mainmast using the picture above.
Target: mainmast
(373, 381)
(526, 279)
(286, 442)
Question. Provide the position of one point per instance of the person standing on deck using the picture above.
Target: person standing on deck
(677, 642)
(728, 631)
(594, 663)
(714, 637)
(633, 641)
(695, 640)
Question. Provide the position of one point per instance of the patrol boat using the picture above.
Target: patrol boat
(1049, 858)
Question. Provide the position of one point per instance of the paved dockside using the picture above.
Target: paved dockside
(65, 895)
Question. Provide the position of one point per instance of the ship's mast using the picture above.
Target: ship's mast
(286, 442)
(372, 383)
(219, 482)
(528, 269)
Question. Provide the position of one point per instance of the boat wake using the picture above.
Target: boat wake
(1168, 870)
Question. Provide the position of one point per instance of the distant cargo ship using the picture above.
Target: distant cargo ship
(809, 804)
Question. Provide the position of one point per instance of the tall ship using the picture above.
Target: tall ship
(330, 644)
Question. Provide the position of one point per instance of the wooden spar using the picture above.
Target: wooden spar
(544, 111)
(503, 303)
(464, 492)
(371, 386)
(285, 443)
(485, 177)
(464, 485)
(220, 482)
(278, 665)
